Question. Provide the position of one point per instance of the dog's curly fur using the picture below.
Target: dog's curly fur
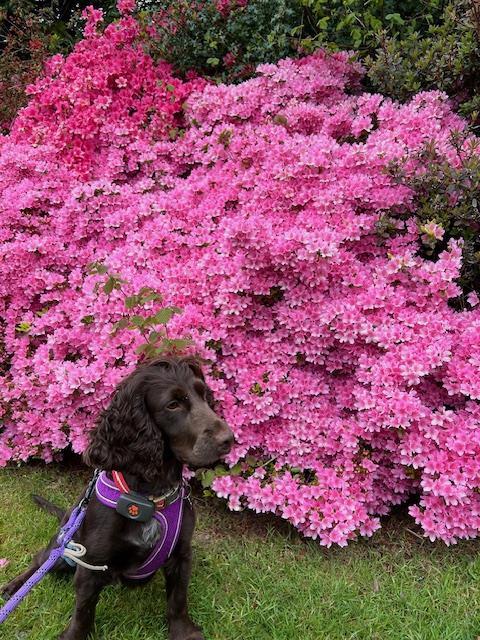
(161, 417)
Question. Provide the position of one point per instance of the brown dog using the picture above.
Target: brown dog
(160, 418)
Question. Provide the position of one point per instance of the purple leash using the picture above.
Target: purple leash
(65, 535)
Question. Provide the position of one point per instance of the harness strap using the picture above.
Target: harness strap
(120, 482)
(160, 501)
(168, 515)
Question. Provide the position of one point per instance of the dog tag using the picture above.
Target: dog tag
(135, 507)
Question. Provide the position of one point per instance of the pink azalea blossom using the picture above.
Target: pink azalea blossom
(126, 6)
(334, 356)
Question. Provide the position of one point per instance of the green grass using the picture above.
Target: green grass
(254, 578)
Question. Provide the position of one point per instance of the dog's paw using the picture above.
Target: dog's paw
(194, 635)
(184, 630)
(72, 633)
(7, 590)
(67, 635)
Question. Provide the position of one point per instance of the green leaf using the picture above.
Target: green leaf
(153, 337)
(213, 62)
(87, 319)
(131, 301)
(395, 18)
(23, 327)
(207, 478)
(97, 268)
(120, 324)
(178, 344)
(236, 470)
(220, 471)
(164, 315)
(161, 317)
(137, 321)
(142, 348)
(109, 285)
(147, 294)
(322, 24)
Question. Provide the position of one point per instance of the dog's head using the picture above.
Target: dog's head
(163, 409)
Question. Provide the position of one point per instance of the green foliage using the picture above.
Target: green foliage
(226, 44)
(358, 25)
(409, 47)
(447, 57)
(23, 327)
(25, 42)
(151, 323)
(450, 197)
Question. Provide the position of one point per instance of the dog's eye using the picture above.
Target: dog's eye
(171, 406)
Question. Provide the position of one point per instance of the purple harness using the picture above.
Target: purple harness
(169, 519)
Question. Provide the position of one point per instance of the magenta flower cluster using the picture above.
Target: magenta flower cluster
(348, 380)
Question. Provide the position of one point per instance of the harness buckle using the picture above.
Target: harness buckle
(160, 503)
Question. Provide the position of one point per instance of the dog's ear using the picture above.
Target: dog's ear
(195, 366)
(125, 437)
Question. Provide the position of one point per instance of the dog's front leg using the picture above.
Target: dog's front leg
(88, 585)
(177, 576)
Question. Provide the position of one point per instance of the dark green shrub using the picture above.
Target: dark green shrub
(224, 40)
(359, 25)
(24, 47)
(447, 57)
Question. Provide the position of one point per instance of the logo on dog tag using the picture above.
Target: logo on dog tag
(135, 507)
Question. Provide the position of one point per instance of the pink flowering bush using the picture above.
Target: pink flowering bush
(255, 208)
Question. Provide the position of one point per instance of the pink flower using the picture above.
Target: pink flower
(349, 381)
(126, 6)
(473, 299)
(432, 233)
(229, 59)
(93, 17)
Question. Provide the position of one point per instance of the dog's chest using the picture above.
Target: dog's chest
(146, 534)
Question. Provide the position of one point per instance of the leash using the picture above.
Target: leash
(64, 538)
(73, 553)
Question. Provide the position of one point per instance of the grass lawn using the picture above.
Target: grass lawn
(254, 578)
